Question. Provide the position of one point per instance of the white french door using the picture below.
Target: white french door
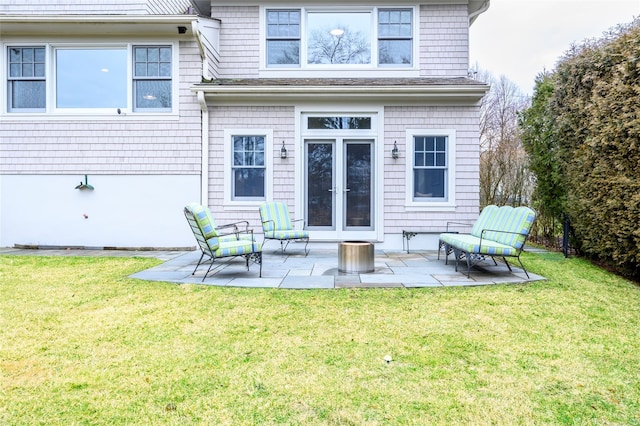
(339, 187)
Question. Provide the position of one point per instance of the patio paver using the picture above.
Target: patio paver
(318, 270)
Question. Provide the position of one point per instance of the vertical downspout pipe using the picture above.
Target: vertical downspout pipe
(204, 166)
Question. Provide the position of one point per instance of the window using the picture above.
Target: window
(342, 122)
(395, 36)
(363, 37)
(91, 78)
(61, 78)
(283, 37)
(27, 81)
(248, 169)
(152, 78)
(338, 38)
(430, 168)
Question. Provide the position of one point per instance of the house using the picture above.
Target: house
(359, 115)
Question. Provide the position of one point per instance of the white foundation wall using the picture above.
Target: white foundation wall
(124, 211)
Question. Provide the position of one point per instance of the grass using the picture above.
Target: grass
(80, 343)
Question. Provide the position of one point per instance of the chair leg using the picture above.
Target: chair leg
(194, 271)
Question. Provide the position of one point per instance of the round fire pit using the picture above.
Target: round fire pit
(355, 257)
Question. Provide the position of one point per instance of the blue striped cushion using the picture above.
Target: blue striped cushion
(204, 219)
(236, 248)
(485, 218)
(275, 216)
(287, 235)
(471, 244)
(517, 224)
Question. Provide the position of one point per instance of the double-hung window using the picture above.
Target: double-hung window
(26, 85)
(395, 35)
(362, 37)
(97, 78)
(283, 37)
(152, 78)
(249, 167)
(431, 167)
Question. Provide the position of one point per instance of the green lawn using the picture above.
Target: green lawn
(80, 343)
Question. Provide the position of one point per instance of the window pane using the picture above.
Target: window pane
(398, 52)
(429, 183)
(91, 78)
(248, 182)
(27, 94)
(153, 94)
(352, 123)
(283, 52)
(339, 38)
(152, 61)
(283, 23)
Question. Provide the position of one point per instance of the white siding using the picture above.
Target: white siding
(94, 7)
(239, 41)
(117, 145)
(444, 47)
(465, 122)
(282, 121)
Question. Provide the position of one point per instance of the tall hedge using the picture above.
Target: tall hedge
(594, 113)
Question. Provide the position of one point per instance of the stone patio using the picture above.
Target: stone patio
(318, 270)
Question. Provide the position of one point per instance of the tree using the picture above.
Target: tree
(504, 175)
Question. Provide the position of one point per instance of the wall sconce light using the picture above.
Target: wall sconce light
(182, 30)
(283, 151)
(394, 151)
(85, 185)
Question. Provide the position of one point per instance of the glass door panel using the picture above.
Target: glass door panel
(358, 184)
(320, 185)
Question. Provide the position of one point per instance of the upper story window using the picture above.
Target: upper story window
(364, 37)
(72, 78)
(27, 81)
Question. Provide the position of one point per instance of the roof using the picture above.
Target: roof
(357, 89)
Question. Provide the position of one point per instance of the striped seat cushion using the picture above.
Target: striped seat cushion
(234, 248)
(471, 244)
(207, 224)
(287, 235)
(515, 224)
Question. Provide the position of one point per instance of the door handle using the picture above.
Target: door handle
(347, 190)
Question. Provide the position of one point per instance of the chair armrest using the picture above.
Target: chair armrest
(298, 220)
(236, 229)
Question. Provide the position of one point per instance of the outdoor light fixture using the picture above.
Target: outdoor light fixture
(85, 185)
(283, 151)
(394, 151)
(182, 30)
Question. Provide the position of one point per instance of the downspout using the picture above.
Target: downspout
(204, 121)
(204, 166)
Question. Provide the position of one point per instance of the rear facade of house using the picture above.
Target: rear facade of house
(359, 115)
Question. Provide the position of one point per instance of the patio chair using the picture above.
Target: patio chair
(216, 242)
(278, 225)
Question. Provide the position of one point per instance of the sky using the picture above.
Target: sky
(519, 39)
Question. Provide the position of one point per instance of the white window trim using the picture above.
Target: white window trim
(426, 205)
(333, 71)
(228, 163)
(51, 112)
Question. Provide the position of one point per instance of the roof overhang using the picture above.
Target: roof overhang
(390, 94)
(102, 25)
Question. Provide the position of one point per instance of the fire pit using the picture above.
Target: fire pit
(355, 257)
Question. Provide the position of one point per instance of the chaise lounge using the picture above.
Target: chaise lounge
(498, 232)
